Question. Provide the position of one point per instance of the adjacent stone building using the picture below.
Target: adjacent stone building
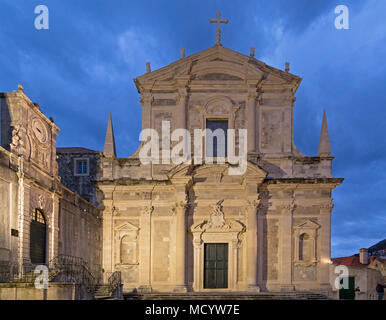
(363, 274)
(40, 218)
(196, 227)
(78, 169)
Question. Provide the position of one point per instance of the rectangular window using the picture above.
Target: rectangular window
(218, 138)
(81, 167)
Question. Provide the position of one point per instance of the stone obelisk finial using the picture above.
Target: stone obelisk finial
(324, 142)
(109, 148)
(218, 30)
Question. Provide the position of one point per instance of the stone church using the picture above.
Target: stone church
(177, 227)
(194, 227)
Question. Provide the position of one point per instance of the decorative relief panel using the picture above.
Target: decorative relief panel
(305, 272)
(21, 142)
(270, 132)
(41, 201)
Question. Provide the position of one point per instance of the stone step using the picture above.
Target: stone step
(105, 298)
(227, 296)
(102, 292)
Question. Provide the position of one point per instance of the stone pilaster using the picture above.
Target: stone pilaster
(54, 226)
(24, 222)
(286, 247)
(181, 102)
(145, 254)
(325, 243)
(180, 213)
(251, 118)
(146, 100)
(252, 263)
(107, 243)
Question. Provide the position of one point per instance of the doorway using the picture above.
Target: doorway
(38, 238)
(216, 266)
(349, 293)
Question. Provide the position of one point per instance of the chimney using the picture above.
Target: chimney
(364, 256)
(148, 69)
(287, 67)
(252, 52)
(182, 53)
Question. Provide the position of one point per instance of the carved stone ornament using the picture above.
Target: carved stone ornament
(217, 224)
(20, 143)
(289, 206)
(146, 98)
(179, 207)
(328, 206)
(217, 220)
(147, 211)
(41, 202)
(254, 203)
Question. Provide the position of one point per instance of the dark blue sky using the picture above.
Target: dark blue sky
(83, 67)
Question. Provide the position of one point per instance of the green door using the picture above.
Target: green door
(216, 266)
(348, 294)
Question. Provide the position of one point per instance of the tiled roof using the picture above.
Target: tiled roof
(352, 261)
(75, 150)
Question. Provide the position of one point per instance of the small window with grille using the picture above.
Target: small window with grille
(37, 215)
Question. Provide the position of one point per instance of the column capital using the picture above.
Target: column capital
(254, 203)
(147, 211)
(146, 97)
(326, 207)
(288, 208)
(179, 207)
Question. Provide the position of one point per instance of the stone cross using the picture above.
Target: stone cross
(218, 31)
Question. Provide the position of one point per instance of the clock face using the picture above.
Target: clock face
(39, 130)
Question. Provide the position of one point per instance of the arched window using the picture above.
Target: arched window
(38, 237)
(304, 247)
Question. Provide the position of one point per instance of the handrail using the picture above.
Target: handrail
(114, 281)
(72, 269)
(8, 271)
(75, 269)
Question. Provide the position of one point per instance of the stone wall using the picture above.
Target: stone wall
(80, 228)
(8, 209)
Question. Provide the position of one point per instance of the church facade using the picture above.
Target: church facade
(196, 227)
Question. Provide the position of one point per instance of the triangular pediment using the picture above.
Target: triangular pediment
(309, 224)
(217, 64)
(126, 226)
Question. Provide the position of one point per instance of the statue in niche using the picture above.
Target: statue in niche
(128, 248)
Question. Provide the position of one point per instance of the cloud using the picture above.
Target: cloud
(343, 71)
(137, 47)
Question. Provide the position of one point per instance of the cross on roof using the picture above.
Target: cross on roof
(218, 30)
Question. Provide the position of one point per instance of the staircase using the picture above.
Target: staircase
(227, 296)
(102, 292)
(110, 291)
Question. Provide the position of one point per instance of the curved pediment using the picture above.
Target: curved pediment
(215, 171)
